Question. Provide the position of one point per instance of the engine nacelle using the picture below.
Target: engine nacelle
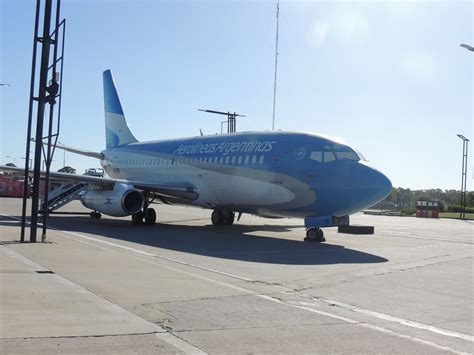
(122, 201)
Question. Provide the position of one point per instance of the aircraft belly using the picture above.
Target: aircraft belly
(227, 190)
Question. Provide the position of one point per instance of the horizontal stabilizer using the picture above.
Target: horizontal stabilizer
(86, 153)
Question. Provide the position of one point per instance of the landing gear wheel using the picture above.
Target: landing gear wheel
(315, 235)
(95, 215)
(217, 217)
(150, 216)
(228, 218)
(137, 218)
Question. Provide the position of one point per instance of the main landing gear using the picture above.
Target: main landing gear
(222, 217)
(147, 214)
(314, 234)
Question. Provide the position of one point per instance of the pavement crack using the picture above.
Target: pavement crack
(85, 336)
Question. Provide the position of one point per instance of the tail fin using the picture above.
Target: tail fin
(117, 132)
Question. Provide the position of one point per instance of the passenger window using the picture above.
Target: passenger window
(215, 160)
(221, 160)
(261, 159)
(240, 160)
(247, 159)
(227, 158)
(317, 156)
(233, 159)
(254, 159)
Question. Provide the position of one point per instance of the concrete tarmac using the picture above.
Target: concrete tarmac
(185, 286)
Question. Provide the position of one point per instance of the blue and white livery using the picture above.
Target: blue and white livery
(271, 174)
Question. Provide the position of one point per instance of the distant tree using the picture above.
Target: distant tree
(67, 169)
(406, 198)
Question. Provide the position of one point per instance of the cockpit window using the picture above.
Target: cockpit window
(329, 156)
(343, 152)
(317, 156)
(333, 152)
(361, 156)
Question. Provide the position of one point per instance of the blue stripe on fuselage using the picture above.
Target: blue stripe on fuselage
(282, 152)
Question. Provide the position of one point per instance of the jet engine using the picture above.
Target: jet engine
(122, 201)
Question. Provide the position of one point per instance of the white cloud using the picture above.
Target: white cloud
(346, 27)
(421, 66)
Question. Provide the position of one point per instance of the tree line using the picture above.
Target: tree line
(406, 198)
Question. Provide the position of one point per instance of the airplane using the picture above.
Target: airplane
(273, 174)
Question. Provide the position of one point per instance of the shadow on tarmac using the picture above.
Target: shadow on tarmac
(233, 243)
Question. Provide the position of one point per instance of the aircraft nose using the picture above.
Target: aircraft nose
(380, 185)
(384, 184)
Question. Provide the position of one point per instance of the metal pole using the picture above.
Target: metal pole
(465, 164)
(276, 65)
(28, 131)
(462, 181)
(465, 145)
(43, 82)
(52, 96)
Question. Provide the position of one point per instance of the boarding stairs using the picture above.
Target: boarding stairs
(63, 194)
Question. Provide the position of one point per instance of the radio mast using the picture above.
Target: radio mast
(276, 65)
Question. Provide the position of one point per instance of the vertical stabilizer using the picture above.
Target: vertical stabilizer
(117, 132)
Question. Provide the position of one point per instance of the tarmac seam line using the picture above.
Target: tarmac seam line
(83, 336)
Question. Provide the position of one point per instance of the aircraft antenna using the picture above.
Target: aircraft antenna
(276, 65)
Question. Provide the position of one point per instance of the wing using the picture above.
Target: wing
(180, 190)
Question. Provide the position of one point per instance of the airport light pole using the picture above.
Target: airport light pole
(465, 143)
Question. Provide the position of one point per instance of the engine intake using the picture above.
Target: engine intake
(122, 201)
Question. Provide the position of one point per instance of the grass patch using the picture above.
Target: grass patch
(455, 215)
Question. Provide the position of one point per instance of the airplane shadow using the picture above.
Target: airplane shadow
(233, 243)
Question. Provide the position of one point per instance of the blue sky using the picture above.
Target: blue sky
(387, 77)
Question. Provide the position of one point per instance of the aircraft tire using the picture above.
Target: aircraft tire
(150, 216)
(229, 218)
(315, 235)
(95, 215)
(137, 218)
(217, 217)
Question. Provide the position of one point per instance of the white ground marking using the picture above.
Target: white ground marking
(300, 305)
(393, 319)
(180, 344)
(304, 305)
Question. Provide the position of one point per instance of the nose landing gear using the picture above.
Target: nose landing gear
(314, 234)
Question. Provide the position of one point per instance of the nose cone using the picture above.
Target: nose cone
(364, 187)
(382, 186)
